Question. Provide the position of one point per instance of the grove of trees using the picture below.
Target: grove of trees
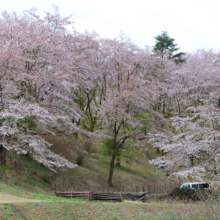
(65, 83)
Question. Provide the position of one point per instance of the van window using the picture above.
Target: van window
(204, 185)
(195, 186)
(186, 186)
(200, 186)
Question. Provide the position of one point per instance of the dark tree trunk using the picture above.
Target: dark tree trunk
(164, 107)
(118, 161)
(148, 155)
(3, 153)
(192, 160)
(158, 150)
(112, 164)
(179, 108)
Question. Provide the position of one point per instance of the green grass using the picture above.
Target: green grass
(7, 212)
(60, 208)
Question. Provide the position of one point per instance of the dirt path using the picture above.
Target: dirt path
(6, 198)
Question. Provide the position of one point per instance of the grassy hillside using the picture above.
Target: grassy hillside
(131, 176)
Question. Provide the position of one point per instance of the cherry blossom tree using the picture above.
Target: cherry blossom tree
(194, 150)
(197, 79)
(125, 92)
(38, 74)
(191, 147)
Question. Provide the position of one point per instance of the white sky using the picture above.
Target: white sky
(194, 24)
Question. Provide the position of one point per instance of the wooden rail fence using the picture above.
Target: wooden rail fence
(110, 197)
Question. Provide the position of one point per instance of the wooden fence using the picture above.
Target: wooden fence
(97, 196)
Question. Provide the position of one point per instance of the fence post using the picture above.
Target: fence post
(122, 196)
(90, 196)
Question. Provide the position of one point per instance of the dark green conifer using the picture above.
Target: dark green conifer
(164, 43)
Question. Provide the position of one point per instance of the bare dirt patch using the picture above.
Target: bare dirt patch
(6, 198)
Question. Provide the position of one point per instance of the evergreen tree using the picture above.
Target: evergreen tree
(163, 43)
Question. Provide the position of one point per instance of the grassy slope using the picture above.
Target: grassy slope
(91, 175)
(128, 176)
(26, 173)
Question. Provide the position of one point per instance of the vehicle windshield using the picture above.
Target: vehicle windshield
(186, 186)
(200, 186)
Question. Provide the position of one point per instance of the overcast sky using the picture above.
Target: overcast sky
(194, 24)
